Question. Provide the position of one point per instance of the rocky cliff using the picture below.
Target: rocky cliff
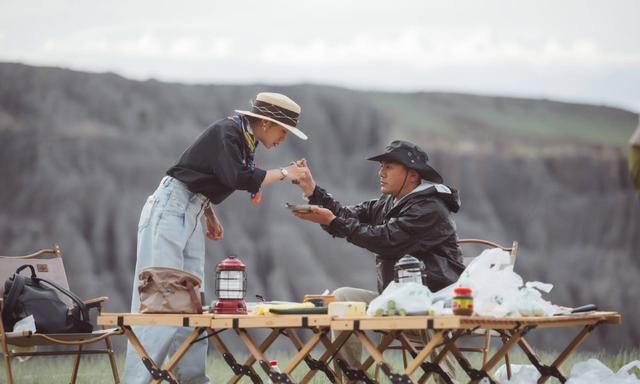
(80, 153)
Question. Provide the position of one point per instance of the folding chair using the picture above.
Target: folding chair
(48, 264)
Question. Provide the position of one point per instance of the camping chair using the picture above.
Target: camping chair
(48, 264)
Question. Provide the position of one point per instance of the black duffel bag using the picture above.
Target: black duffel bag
(24, 296)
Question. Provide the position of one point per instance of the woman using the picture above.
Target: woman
(171, 232)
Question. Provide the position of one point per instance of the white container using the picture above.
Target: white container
(347, 308)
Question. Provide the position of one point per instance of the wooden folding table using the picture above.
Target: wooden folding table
(447, 331)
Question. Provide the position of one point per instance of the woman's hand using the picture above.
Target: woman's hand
(318, 215)
(304, 178)
(215, 231)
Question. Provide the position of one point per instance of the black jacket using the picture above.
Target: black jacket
(420, 224)
(217, 163)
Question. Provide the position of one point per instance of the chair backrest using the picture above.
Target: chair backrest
(513, 250)
(47, 263)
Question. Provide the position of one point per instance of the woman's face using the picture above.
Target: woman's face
(273, 134)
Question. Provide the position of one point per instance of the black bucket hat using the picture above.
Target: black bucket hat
(411, 156)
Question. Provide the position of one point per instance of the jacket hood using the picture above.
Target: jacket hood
(448, 195)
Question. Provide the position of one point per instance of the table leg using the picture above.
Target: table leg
(430, 367)
(276, 377)
(251, 359)
(436, 339)
(387, 339)
(238, 370)
(156, 373)
(331, 350)
(553, 370)
(573, 345)
(312, 363)
(377, 356)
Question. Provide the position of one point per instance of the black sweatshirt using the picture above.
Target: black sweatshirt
(217, 163)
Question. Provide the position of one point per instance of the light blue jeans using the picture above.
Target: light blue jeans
(170, 234)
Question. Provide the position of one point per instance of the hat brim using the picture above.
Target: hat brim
(426, 171)
(292, 129)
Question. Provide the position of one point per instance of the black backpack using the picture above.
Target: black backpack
(24, 296)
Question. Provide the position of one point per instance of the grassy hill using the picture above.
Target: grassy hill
(477, 117)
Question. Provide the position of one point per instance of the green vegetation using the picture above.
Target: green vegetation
(455, 115)
(96, 370)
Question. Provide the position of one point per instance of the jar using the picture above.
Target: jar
(462, 301)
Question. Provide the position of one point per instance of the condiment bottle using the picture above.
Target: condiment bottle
(273, 364)
(462, 301)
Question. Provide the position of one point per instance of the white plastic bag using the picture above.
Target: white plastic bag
(593, 371)
(406, 298)
(497, 290)
(26, 324)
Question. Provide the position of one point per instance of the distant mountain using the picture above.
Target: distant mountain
(81, 152)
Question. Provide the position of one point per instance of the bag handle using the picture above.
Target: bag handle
(69, 294)
(33, 271)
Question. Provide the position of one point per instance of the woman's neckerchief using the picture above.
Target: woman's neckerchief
(252, 144)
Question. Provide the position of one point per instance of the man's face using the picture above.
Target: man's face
(392, 176)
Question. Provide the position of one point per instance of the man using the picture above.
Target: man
(171, 231)
(634, 159)
(411, 217)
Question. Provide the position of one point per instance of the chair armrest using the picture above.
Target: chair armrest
(95, 303)
(1, 304)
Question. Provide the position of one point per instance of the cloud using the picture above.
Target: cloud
(424, 50)
(412, 48)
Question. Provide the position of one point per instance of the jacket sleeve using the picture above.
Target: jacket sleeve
(414, 227)
(361, 212)
(230, 167)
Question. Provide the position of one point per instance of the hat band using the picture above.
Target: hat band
(275, 112)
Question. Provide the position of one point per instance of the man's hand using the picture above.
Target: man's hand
(305, 180)
(317, 215)
(215, 231)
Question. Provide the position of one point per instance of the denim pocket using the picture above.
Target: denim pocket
(145, 216)
(176, 205)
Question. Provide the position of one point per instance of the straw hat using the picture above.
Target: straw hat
(276, 108)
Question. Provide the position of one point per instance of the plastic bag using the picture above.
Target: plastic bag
(26, 324)
(530, 301)
(497, 290)
(593, 371)
(402, 299)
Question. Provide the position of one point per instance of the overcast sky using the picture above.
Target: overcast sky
(587, 51)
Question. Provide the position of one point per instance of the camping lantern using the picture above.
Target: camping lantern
(409, 269)
(231, 287)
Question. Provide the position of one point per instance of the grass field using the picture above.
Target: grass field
(96, 370)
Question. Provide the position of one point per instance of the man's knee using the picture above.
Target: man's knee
(343, 293)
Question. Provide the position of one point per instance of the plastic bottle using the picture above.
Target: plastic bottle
(273, 364)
